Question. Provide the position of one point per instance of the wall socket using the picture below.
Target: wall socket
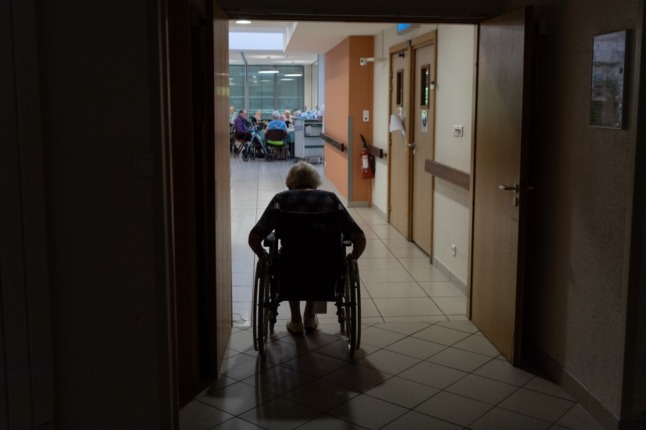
(458, 130)
(366, 115)
(454, 250)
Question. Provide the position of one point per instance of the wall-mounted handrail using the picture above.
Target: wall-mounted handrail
(333, 142)
(448, 173)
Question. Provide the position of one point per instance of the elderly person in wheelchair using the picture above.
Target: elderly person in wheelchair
(304, 210)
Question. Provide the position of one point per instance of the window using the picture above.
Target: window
(425, 86)
(266, 91)
(400, 88)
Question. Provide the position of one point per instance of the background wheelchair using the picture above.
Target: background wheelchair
(307, 261)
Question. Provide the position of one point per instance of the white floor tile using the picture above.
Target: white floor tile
(328, 422)
(379, 338)
(403, 392)
(395, 290)
(452, 305)
(547, 387)
(357, 378)
(432, 374)
(321, 395)
(497, 419)
(388, 362)
(236, 398)
(236, 424)
(501, 370)
(478, 344)
(441, 335)
(415, 420)
(483, 389)
(578, 418)
(458, 359)
(407, 307)
(538, 405)
(385, 275)
(280, 414)
(198, 416)
(418, 348)
(453, 408)
(368, 412)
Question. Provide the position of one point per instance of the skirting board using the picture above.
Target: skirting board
(450, 275)
(358, 204)
(555, 372)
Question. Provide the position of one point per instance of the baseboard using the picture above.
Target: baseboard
(358, 204)
(449, 275)
(575, 388)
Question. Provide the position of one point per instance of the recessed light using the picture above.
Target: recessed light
(243, 21)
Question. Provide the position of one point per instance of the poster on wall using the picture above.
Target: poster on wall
(608, 77)
(424, 121)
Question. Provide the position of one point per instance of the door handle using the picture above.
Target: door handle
(412, 145)
(512, 187)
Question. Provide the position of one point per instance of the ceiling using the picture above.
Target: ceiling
(305, 40)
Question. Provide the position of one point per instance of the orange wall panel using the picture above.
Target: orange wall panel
(348, 92)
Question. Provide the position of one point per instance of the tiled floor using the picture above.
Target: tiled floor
(422, 364)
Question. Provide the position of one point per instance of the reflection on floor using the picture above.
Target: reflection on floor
(422, 364)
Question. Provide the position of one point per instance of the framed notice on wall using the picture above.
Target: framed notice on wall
(608, 80)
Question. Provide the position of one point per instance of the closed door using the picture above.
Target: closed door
(500, 180)
(399, 178)
(423, 132)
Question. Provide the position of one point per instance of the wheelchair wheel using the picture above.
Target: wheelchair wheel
(245, 156)
(352, 319)
(253, 154)
(261, 312)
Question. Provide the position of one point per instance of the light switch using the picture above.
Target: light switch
(366, 115)
(458, 130)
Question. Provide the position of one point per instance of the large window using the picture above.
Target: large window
(255, 90)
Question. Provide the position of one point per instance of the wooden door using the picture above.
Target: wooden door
(500, 179)
(399, 177)
(423, 132)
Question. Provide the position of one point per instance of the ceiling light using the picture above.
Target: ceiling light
(243, 21)
(268, 71)
(287, 79)
(294, 75)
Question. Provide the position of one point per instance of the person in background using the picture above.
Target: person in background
(258, 117)
(241, 128)
(232, 114)
(302, 195)
(276, 122)
(288, 118)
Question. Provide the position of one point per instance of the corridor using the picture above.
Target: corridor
(422, 364)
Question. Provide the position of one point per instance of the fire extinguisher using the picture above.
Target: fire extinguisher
(367, 165)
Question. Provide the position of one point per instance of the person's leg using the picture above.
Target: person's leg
(295, 326)
(295, 308)
(309, 309)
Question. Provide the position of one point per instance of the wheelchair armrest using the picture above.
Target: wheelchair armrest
(347, 243)
(269, 240)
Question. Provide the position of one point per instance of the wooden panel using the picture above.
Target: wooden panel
(399, 159)
(222, 195)
(496, 290)
(448, 173)
(424, 57)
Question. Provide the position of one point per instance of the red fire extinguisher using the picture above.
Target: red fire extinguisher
(367, 165)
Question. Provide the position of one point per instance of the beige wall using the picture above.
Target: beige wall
(454, 99)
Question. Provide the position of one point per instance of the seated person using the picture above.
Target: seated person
(276, 122)
(241, 128)
(302, 196)
(257, 118)
(288, 118)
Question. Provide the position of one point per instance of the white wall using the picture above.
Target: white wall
(454, 98)
(455, 62)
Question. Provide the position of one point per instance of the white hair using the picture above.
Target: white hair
(275, 115)
(302, 175)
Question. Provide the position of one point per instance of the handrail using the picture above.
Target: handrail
(333, 142)
(377, 152)
(448, 173)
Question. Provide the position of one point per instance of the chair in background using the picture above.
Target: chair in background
(275, 138)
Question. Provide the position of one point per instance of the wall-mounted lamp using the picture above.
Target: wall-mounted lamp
(365, 60)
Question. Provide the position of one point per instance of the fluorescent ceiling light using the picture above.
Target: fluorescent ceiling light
(268, 71)
(287, 79)
(243, 21)
(293, 75)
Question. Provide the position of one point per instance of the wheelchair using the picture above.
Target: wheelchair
(307, 261)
